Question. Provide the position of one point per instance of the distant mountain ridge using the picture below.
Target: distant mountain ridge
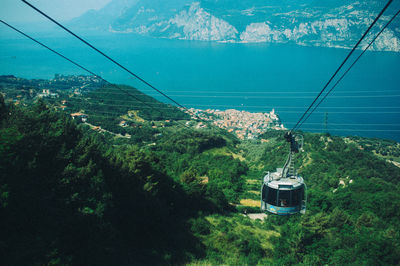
(332, 23)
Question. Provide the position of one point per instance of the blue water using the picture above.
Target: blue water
(251, 77)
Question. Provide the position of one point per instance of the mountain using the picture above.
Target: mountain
(174, 195)
(332, 23)
(81, 197)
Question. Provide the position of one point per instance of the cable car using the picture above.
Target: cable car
(284, 192)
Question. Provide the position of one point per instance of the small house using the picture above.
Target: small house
(123, 124)
(79, 116)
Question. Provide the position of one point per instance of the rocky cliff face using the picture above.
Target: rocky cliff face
(197, 24)
(191, 23)
(327, 24)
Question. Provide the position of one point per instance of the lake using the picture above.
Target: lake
(251, 77)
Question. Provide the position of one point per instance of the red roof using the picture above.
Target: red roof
(77, 114)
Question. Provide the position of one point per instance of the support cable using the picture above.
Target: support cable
(341, 65)
(103, 54)
(80, 66)
(355, 61)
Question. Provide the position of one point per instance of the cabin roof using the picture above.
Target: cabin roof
(273, 180)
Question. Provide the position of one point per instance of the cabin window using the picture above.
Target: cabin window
(284, 198)
(297, 196)
(272, 196)
(264, 193)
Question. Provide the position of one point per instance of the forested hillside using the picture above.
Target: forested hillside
(71, 195)
(108, 105)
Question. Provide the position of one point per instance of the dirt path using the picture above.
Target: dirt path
(255, 216)
(99, 129)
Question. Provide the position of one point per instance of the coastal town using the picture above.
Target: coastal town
(245, 125)
(61, 90)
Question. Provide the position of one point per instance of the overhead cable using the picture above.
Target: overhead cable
(355, 61)
(266, 97)
(355, 130)
(80, 66)
(345, 60)
(102, 53)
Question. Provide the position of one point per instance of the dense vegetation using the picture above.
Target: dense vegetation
(108, 105)
(69, 195)
(105, 105)
(387, 149)
(352, 212)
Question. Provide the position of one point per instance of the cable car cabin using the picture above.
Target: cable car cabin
(283, 196)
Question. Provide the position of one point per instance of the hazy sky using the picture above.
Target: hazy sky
(17, 11)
